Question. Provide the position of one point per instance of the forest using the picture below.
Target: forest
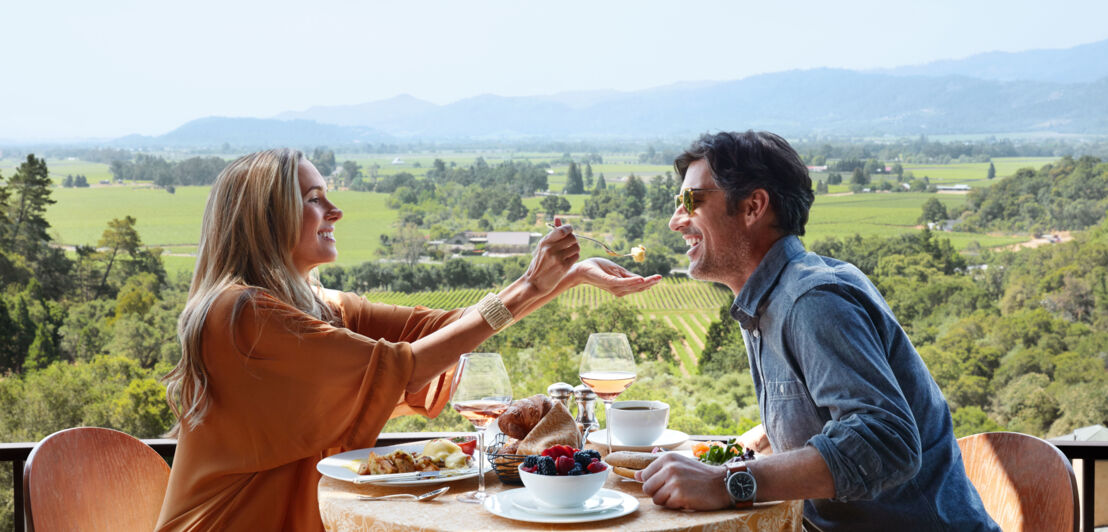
(1017, 340)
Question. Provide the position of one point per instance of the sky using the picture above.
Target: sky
(74, 69)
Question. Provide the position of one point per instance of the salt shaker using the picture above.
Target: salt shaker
(586, 410)
(560, 391)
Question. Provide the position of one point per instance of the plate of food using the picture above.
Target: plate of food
(411, 464)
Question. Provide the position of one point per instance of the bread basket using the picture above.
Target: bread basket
(505, 465)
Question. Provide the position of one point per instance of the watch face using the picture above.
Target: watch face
(741, 484)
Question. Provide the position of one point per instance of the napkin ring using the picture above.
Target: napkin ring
(495, 313)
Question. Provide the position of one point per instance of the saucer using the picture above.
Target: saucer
(603, 500)
(670, 439)
(503, 504)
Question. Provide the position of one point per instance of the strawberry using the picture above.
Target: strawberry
(564, 464)
(559, 450)
(467, 446)
(597, 466)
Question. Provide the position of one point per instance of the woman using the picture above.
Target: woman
(277, 373)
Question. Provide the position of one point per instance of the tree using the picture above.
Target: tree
(68, 181)
(898, 169)
(351, 170)
(992, 171)
(574, 183)
(120, 236)
(600, 184)
(551, 205)
(324, 161)
(859, 177)
(30, 191)
(408, 244)
(516, 209)
(588, 176)
(933, 212)
(834, 178)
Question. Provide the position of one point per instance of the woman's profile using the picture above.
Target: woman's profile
(277, 372)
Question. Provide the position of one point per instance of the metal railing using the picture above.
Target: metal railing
(1089, 452)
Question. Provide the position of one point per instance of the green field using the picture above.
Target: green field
(685, 305)
(172, 221)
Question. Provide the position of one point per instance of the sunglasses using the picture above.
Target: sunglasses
(685, 198)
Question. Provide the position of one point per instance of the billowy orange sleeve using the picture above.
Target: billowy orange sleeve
(283, 389)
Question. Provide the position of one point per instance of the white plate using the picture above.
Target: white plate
(504, 504)
(603, 500)
(339, 466)
(668, 440)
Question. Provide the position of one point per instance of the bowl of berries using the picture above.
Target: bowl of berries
(563, 477)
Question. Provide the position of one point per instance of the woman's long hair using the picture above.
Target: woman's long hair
(251, 224)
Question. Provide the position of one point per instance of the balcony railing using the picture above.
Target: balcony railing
(1088, 452)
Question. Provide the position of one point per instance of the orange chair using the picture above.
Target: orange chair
(1025, 482)
(93, 479)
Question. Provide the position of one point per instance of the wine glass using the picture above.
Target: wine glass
(482, 392)
(608, 368)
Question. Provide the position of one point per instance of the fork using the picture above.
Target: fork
(603, 245)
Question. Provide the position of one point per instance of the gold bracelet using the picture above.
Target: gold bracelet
(495, 313)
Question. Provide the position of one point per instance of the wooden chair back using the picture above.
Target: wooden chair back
(93, 479)
(1025, 482)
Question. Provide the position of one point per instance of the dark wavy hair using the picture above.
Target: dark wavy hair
(743, 162)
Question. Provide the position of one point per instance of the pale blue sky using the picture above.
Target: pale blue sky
(80, 69)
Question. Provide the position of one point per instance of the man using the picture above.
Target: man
(856, 423)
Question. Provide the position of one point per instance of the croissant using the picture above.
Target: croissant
(523, 415)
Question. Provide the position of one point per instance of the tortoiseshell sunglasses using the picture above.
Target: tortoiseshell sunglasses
(685, 198)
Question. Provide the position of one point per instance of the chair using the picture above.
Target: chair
(1025, 482)
(93, 479)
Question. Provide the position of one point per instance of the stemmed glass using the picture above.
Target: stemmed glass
(608, 368)
(482, 392)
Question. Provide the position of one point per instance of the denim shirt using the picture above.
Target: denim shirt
(834, 369)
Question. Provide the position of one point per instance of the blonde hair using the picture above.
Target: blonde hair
(251, 224)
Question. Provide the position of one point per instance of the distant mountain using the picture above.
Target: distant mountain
(1080, 64)
(1037, 92)
(261, 132)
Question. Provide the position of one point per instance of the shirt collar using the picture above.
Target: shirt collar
(745, 307)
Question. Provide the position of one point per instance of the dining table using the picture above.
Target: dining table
(342, 511)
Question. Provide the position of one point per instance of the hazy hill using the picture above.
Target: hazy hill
(1084, 63)
(214, 131)
(1039, 91)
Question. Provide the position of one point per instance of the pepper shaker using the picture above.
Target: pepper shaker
(586, 411)
(560, 391)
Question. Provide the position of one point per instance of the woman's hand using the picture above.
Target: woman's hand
(610, 276)
(553, 258)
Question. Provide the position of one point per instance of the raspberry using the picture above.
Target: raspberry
(597, 467)
(577, 470)
(564, 464)
(529, 469)
(531, 461)
(546, 466)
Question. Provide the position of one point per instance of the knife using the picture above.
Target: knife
(414, 475)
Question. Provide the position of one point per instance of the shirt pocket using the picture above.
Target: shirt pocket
(790, 416)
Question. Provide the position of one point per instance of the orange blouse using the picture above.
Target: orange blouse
(284, 391)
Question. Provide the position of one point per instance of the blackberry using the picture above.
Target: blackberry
(531, 461)
(585, 457)
(577, 470)
(546, 466)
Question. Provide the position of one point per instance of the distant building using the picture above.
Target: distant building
(398, 160)
(817, 168)
(508, 242)
(953, 188)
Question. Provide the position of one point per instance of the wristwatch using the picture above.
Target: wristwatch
(741, 485)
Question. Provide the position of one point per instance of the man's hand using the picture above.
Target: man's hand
(610, 276)
(680, 482)
(756, 439)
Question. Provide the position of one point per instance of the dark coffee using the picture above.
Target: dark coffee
(636, 408)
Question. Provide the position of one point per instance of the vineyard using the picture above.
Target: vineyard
(684, 305)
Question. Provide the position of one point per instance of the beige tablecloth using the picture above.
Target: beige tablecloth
(341, 511)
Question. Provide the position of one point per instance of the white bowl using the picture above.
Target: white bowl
(563, 491)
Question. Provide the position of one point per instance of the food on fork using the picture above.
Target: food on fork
(638, 253)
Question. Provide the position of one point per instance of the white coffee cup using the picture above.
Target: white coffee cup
(638, 422)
